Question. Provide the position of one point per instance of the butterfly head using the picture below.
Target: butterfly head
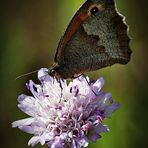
(54, 71)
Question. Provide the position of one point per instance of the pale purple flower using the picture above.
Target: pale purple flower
(68, 116)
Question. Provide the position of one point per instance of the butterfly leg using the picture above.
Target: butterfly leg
(88, 83)
(59, 81)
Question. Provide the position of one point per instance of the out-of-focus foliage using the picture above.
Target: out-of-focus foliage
(29, 34)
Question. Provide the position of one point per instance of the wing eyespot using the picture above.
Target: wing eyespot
(95, 8)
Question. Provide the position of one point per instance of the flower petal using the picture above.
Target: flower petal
(23, 122)
(110, 108)
(34, 140)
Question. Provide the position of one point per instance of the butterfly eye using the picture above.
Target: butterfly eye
(94, 10)
(52, 72)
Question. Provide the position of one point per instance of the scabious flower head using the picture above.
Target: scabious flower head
(65, 116)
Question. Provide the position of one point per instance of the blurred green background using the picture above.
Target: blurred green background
(29, 34)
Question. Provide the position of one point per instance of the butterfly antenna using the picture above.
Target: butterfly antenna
(23, 75)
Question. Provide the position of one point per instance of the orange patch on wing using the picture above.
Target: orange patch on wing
(73, 27)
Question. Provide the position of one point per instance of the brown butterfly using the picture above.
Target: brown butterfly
(95, 38)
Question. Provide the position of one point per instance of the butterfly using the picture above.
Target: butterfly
(95, 38)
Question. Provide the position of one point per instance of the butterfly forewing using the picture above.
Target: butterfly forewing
(93, 41)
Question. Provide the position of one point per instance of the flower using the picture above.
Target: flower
(65, 116)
